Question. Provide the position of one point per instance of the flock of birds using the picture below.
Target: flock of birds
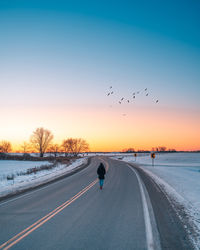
(123, 100)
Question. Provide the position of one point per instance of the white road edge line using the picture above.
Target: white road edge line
(148, 227)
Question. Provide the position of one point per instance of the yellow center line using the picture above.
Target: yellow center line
(8, 244)
(14, 240)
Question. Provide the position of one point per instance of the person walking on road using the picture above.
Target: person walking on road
(101, 173)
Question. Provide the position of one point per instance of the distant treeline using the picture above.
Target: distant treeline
(41, 141)
(29, 157)
(158, 149)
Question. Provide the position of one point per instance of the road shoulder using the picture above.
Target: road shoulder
(171, 220)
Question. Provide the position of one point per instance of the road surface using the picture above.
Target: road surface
(73, 213)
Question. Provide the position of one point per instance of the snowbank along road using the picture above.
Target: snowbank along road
(73, 213)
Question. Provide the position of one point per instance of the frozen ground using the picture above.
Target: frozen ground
(179, 176)
(21, 182)
(8, 167)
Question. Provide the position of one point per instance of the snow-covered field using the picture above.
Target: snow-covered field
(179, 170)
(8, 167)
(21, 182)
(178, 174)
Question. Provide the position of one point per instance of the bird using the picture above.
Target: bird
(123, 100)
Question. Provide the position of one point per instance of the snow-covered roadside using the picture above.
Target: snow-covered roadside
(178, 175)
(32, 180)
(9, 167)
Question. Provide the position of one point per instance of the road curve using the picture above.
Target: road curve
(74, 213)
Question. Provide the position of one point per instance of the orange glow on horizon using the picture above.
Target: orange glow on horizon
(114, 78)
(107, 130)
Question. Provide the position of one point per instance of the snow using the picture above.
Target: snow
(8, 167)
(178, 174)
(179, 170)
(21, 182)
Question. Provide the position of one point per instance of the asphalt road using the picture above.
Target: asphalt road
(73, 213)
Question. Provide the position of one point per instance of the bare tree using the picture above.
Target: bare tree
(75, 146)
(129, 150)
(40, 139)
(54, 149)
(5, 147)
(80, 146)
(66, 146)
(162, 149)
(172, 150)
(25, 147)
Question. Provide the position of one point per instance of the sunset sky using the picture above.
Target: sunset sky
(59, 58)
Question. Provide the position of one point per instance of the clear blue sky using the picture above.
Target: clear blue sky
(67, 53)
